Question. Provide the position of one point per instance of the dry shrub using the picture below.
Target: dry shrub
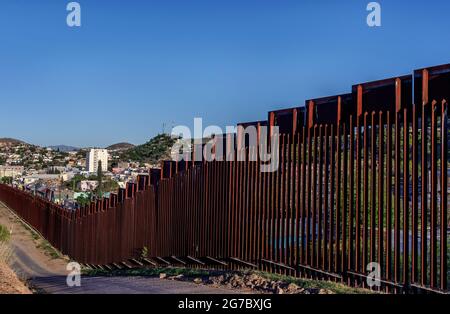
(5, 252)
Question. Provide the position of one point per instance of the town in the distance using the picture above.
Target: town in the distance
(72, 177)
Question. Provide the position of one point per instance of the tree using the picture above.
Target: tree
(83, 201)
(156, 149)
(6, 180)
(73, 183)
(99, 179)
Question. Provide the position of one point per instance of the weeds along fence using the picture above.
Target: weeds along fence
(369, 187)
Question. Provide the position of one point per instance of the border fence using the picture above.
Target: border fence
(362, 178)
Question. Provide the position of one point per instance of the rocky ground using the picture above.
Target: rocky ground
(252, 282)
(9, 283)
(260, 284)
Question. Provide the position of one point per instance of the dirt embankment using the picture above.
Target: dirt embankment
(23, 255)
(9, 283)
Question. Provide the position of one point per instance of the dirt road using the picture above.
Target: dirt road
(32, 261)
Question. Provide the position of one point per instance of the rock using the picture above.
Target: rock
(237, 281)
(198, 280)
(325, 291)
(217, 280)
(299, 291)
(280, 290)
(179, 277)
(163, 276)
(281, 284)
(292, 288)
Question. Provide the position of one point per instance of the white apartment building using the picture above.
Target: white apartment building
(93, 157)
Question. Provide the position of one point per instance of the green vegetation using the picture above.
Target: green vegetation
(120, 146)
(40, 242)
(315, 284)
(4, 234)
(108, 185)
(448, 257)
(155, 150)
(83, 200)
(99, 179)
(144, 252)
(73, 183)
(148, 272)
(5, 250)
(6, 180)
(49, 249)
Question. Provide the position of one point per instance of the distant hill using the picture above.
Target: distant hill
(10, 141)
(120, 146)
(155, 150)
(64, 148)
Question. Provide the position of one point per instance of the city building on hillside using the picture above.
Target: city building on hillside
(117, 170)
(93, 157)
(11, 171)
(87, 185)
(67, 176)
(123, 165)
(43, 176)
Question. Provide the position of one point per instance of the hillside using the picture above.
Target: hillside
(120, 146)
(64, 148)
(6, 141)
(155, 150)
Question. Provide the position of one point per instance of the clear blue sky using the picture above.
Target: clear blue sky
(134, 65)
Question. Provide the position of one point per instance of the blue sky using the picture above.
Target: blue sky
(136, 65)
